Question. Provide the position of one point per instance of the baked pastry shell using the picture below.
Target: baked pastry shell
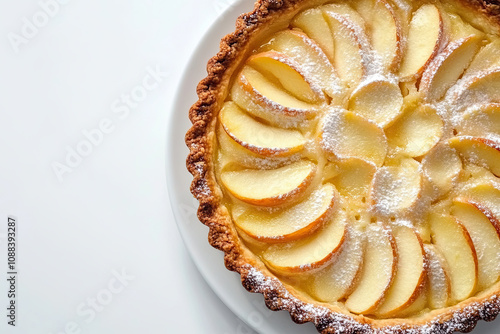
(251, 29)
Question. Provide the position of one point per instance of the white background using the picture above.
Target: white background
(110, 212)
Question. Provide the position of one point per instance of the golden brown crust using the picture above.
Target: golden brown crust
(222, 235)
(489, 8)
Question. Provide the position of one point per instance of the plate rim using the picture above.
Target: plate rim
(186, 82)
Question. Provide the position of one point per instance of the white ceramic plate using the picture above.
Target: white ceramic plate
(227, 285)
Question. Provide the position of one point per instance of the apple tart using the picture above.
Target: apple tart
(346, 157)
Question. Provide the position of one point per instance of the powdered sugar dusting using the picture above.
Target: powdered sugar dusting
(365, 139)
(333, 283)
(349, 260)
(278, 298)
(395, 189)
(463, 321)
(306, 72)
(438, 281)
(371, 64)
(202, 185)
(313, 62)
(321, 316)
(332, 126)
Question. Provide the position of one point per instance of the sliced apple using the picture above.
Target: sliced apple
(330, 170)
(457, 28)
(354, 177)
(411, 272)
(486, 59)
(482, 88)
(416, 132)
(481, 120)
(257, 136)
(311, 253)
(351, 44)
(288, 224)
(403, 7)
(379, 268)
(313, 23)
(403, 10)
(425, 36)
(442, 166)
(231, 148)
(364, 8)
(347, 135)
(439, 288)
(231, 153)
(387, 35)
(315, 64)
(289, 74)
(444, 70)
(255, 93)
(336, 281)
(484, 230)
(344, 10)
(379, 101)
(454, 243)
(270, 187)
(482, 151)
(417, 306)
(487, 194)
(396, 188)
(268, 93)
(384, 30)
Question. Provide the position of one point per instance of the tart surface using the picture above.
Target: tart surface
(346, 157)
